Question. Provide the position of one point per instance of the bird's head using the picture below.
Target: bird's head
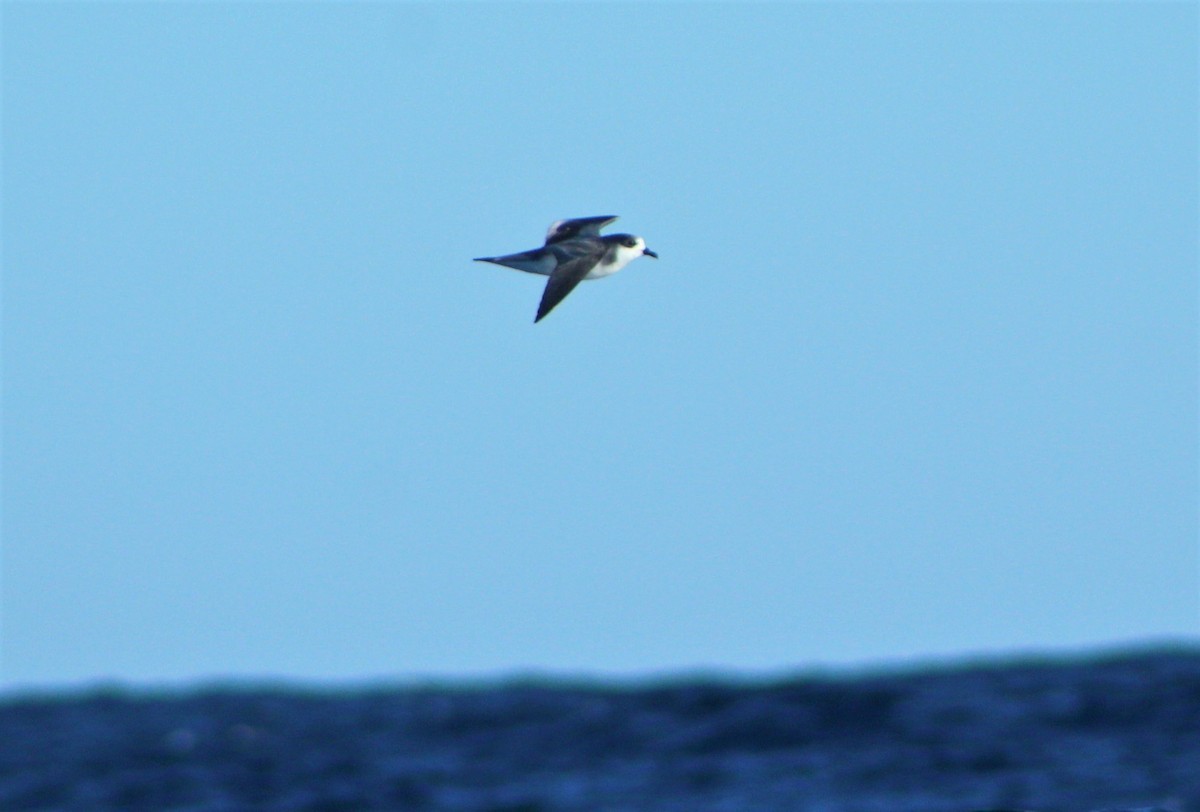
(630, 247)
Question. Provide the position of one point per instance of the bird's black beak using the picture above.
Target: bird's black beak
(649, 253)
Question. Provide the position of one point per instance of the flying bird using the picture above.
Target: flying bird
(574, 251)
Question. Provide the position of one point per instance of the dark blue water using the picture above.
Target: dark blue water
(1122, 731)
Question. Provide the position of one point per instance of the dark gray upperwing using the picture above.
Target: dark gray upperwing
(576, 259)
(538, 260)
(578, 227)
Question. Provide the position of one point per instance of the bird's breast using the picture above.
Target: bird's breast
(609, 265)
(602, 270)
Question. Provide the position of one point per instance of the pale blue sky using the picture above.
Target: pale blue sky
(915, 375)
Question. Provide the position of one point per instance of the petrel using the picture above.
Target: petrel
(574, 251)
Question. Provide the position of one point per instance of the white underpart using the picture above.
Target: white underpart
(623, 256)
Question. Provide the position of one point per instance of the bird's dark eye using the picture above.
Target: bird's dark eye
(629, 243)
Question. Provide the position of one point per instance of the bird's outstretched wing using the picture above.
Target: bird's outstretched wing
(539, 261)
(579, 227)
(576, 260)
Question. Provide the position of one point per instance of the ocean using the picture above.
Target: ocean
(1117, 731)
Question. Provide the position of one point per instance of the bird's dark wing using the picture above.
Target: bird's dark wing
(579, 227)
(539, 260)
(576, 259)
